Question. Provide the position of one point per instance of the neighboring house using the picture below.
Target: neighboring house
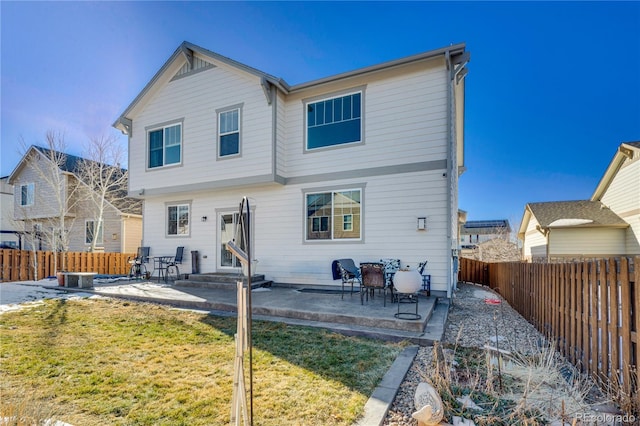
(9, 231)
(35, 205)
(475, 232)
(343, 166)
(606, 225)
(619, 189)
(488, 241)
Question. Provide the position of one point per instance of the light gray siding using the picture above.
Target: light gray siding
(194, 100)
(392, 205)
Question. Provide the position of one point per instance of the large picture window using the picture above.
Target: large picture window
(334, 121)
(229, 132)
(91, 232)
(27, 193)
(178, 219)
(165, 145)
(334, 215)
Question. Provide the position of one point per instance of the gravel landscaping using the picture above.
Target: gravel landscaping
(475, 319)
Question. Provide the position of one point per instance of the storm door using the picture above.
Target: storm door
(228, 223)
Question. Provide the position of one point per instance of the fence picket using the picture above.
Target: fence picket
(21, 265)
(591, 309)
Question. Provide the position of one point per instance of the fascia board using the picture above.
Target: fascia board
(454, 49)
(175, 61)
(526, 217)
(609, 174)
(22, 163)
(148, 89)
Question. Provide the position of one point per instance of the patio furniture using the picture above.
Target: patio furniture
(372, 278)
(391, 266)
(349, 273)
(173, 272)
(426, 278)
(138, 269)
(167, 266)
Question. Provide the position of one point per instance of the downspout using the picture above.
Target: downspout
(452, 160)
(449, 172)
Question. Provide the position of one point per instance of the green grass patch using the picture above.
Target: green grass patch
(96, 362)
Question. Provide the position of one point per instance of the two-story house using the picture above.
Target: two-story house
(361, 165)
(47, 186)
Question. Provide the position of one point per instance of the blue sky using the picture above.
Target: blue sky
(553, 87)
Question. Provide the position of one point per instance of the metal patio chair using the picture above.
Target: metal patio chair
(349, 273)
(372, 278)
(138, 269)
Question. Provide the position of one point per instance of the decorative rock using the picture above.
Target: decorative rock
(429, 405)
(467, 402)
(459, 421)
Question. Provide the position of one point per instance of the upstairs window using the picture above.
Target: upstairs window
(334, 121)
(229, 131)
(165, 145)
(91, 232)
(334, 215)
(178, 219)
(27, 194)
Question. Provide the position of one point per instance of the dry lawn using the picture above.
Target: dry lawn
(99, 362)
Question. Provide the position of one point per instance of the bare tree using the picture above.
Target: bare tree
(56, 195)
(105, 180)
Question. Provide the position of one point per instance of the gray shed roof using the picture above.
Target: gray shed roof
(581, 212)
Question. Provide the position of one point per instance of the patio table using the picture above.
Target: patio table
(160, 265)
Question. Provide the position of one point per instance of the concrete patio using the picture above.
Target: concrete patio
(315, 307)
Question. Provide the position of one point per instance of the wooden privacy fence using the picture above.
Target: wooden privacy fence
(591, 309)
(21, 265)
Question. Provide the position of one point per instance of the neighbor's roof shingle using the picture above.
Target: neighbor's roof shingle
(549, 212)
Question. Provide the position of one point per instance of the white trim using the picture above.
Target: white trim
(231, 108)
(163, 127)
(177, 204)
(32, 193)
(332, 191)
(327, 97)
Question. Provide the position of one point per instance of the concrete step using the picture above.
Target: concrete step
(221, 281)
(222, 277)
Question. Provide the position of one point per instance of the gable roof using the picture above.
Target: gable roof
(71, 165)
(626, 151)
(184, 55)
(581, 213)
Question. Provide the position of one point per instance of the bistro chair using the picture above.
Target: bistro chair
(372, 279)
(173, 272)
(138, 269)
(349, 273)
(391, 266)
(426, 278)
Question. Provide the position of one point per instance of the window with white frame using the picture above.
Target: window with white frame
(229, 121)
(334, 215)
(91, 232)
(27, 194)
(178, 219)
(334, 121)
(165, 145)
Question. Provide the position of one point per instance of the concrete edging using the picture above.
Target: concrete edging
(378, 405)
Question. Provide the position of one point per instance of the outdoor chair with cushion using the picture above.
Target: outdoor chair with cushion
(372, 279)
(391, 266)
(349, 273)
